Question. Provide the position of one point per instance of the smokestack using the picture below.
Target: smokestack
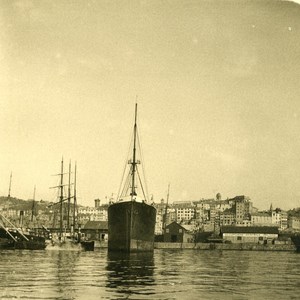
(21, 217)
(97, 203)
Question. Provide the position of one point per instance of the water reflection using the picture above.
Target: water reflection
(65, 262)
(210, 275)
(130, 273)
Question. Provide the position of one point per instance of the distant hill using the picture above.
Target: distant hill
(20, 204)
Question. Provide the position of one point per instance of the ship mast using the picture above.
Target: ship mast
(61, 199)
(166, 210)
(33, 205)
(134, 163)
(75, 200)
(69, 197)
(9, 185)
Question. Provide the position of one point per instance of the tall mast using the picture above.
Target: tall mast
(61, 198)
(75, 200)
(69, 196)
(166, 210)
(9, 185)
(33, 205)
(133, 192)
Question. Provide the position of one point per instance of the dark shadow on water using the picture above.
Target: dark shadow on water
(65, 265)
(130, 273)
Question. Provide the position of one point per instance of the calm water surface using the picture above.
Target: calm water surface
(188, 274)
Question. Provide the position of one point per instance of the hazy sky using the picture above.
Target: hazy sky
(218, 85)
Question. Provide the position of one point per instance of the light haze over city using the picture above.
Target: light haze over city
(216, 82)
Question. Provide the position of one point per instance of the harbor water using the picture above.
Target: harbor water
(165, 274)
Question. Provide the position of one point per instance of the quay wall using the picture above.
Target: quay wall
(223, 246)
(217, 246)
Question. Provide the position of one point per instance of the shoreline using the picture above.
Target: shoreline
(223, 246)
(216, 246)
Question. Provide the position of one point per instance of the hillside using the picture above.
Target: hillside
(20, 204)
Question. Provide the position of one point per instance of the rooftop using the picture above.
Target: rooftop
(250, 229)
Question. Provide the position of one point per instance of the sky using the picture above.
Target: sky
(216, 82)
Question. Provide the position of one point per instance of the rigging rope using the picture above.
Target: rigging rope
(124, 170)
(143, 167)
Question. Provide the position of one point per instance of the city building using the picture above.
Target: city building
(294, 223)
(96, 230)
(251, 234)
(175, 233)
(261, 219)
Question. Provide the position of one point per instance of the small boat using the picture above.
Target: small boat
(88, 245)
(131, 220)
(67, 238)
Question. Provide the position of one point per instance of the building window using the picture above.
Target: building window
(180, 230)
(167, 230)
(261, 238)
(239, 238)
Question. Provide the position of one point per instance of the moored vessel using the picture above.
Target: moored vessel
(12, 237)
(296, 240)
(68, 236)
(131, 220)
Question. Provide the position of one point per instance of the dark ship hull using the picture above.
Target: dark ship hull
(131, 226)
(88, 245)
(31, 242)
(296, 240)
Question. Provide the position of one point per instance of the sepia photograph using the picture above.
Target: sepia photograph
(150, 149)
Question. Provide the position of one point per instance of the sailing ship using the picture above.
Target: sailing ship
(12, 237)
(67, 237)
(131, 219)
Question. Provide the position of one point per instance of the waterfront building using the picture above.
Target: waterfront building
(95, 230)
(251, 234)
(176, 233)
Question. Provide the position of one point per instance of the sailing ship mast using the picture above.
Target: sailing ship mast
(33, 205)
(166, 210)
(133, 179)
(61, 198)
(75, 198)
(9, 189)
(134, 163)
(69, 197)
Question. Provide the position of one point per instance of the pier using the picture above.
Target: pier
(224, 246)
